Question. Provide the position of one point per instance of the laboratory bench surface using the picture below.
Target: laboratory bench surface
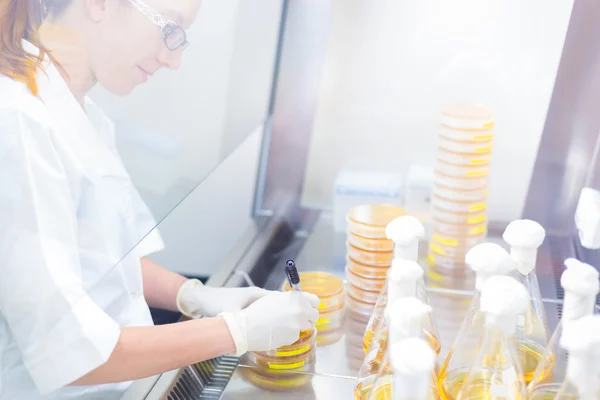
(337, 364)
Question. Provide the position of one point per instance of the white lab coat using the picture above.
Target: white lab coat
(68, 215)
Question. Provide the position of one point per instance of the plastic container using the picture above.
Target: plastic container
(441, 215)
(464, 159)
(474, 148)
(366, 271)
(445, 229)
(359, 310)
(369, 221)
(353, 188)
(292, 352)
(369, 244)
(372, 258)
(456, 206)
(329, 288)
(467, 117)
(462, 171)
(460, 194)
(366, 296)
(365, 283)
(443, 179)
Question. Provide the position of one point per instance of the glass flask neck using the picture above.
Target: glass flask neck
(525, 258)
(411, 386)
(582, 375)
(400, 289)
(407, 252)
(500, 326)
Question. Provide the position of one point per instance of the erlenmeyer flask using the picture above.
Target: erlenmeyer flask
(581, 285)
(404, 281)
(407, 314)
(403, 276)
(524, 237)
(486, 260)
(497, 373)
(405, 232)
(581, 339)
(409, 376)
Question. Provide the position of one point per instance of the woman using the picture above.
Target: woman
(74, 317)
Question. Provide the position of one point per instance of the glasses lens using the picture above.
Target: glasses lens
(175, 38)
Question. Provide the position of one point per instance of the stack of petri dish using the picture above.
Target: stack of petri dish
(330, 290)
(459, 196)
(369, 256)
(285, 368)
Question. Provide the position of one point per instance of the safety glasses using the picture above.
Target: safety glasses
(173, 35)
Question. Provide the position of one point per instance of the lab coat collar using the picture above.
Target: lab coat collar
(73, 125)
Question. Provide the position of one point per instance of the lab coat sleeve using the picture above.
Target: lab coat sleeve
(61, 333)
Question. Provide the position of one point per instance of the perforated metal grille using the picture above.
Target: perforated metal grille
(205, 380)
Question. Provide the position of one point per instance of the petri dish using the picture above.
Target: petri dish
(456, 206)
(266, 378)
(449, 193)
(370, 220)
(439, 261)
(455, 248)
(464, 159)
(456, 241)
(299, 363)
(467, 116)
(330, 320)
(446, 229)
(366, 271)
(329, 288)
(462, 171)
(301, 346)
(366, 296)
(467, 218)
(371, 258)
(359, 310)
(369, 244)
(369, 283)
(454, 146)
(289, 382)
(330, 337)
(462, 183)
(466, 135)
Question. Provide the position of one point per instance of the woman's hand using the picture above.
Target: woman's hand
(196, 300)
(273, 321)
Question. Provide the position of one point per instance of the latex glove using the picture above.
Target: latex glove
(196, 300)
(273, 321)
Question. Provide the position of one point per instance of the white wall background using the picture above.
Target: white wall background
(392, 64)
(176, 130)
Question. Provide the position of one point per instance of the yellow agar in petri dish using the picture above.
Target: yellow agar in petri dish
(329, 288)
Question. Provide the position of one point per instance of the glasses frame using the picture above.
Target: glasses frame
(167, 27)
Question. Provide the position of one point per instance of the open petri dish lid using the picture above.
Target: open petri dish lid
(370, 220)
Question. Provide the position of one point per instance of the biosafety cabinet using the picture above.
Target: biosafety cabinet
(355, 110)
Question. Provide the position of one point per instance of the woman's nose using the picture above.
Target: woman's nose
(170, 59)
